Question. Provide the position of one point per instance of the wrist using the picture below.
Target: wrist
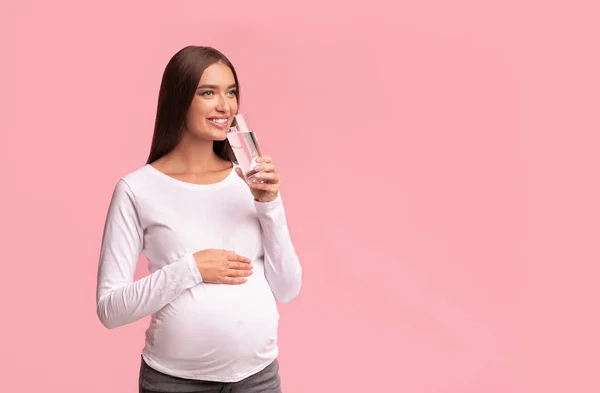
(266, 200)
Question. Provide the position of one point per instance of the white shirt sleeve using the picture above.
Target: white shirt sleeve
(121, 300)
(282, 266)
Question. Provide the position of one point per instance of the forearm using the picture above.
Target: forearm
(120, 302)
(282, 265)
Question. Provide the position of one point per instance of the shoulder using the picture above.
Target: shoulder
(132, 182)
(137, 178)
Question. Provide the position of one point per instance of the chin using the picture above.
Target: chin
(219, 135)
(210, 135)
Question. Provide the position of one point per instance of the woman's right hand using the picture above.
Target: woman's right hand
(222, 267)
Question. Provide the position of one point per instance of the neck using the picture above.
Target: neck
(194, 156)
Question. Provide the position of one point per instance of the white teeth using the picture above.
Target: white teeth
(219, 121)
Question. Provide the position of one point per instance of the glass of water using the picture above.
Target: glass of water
(245, 147)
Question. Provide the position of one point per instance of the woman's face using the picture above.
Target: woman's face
(211, 112)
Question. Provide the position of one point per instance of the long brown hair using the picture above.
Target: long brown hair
(179, 83)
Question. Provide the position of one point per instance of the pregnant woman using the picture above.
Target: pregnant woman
(218, 248)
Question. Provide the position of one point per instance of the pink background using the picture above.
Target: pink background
(440, 169)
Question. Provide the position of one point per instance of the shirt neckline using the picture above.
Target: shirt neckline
(195, 186)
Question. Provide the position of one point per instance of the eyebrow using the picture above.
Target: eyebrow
(214, 87)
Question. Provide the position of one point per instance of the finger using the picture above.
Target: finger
(260, 169)
(267, 176)
(239, 273)
(264, 168)
(267, 159)
(240, 265)
(238, 170)
(236, 257)
(234, 280)
(272, 188)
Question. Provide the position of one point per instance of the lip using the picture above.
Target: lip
(220, 126)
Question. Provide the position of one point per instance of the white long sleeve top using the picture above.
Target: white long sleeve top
(197, 330)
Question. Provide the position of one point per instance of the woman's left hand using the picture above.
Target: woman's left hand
(265, 186)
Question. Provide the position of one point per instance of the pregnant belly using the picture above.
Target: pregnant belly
(215, 324)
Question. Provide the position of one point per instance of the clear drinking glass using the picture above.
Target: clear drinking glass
(245, 147)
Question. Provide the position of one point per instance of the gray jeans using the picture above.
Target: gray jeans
(265, 381)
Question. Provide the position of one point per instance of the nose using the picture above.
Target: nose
(223, 105)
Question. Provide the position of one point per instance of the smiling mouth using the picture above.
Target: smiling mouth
(219, 122)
